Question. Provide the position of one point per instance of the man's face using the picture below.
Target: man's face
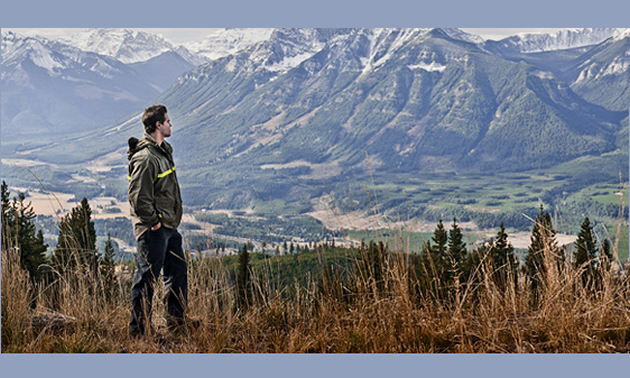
(165, 127)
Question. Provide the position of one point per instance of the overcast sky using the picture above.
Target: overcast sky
(181, 35)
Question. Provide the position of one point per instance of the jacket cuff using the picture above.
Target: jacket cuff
(155, 220)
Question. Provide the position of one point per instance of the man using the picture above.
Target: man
(156, 211)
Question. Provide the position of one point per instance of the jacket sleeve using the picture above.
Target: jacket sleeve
(143, 173)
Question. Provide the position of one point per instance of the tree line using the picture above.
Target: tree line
(441, 270)
(446, 267)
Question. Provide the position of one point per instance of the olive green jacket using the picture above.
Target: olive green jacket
(154, 194)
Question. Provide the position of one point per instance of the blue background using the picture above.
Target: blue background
(314, 13)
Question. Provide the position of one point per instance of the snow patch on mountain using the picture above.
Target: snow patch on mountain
(618, 66)
(595, 71)
(289, 62)
(385, 42)
(621, 34)
(285, 49)
(43, 57)
(545, 75)
(431, 67)
(615, 65)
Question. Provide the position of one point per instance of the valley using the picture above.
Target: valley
(309, 134)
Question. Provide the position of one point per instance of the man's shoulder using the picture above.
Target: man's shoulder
(143, 156)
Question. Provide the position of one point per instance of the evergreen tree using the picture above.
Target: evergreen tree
(606, 255)
(108, 267)
(8, 218)
(456, 249)
(432, 271)
(543, 238)
(243, 279)
(503, 259)
(586, 252)
(440, 238)
(19, 231)
(77, 240)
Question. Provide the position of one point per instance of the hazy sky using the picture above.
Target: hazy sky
(181, 35)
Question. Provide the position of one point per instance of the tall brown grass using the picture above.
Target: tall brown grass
(356, 313)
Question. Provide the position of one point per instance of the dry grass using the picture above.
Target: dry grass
(353, 315)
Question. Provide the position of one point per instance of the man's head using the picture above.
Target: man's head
(152, 116)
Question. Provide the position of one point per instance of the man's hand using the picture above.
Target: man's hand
(156, 227)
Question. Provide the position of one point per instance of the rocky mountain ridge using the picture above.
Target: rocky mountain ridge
(308, 105)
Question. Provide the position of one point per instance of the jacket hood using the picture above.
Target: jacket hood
(136, 145)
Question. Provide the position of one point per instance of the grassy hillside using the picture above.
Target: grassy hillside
(324, 302)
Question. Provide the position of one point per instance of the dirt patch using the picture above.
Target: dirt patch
(58, 204)
(358, 220)
(521, 240)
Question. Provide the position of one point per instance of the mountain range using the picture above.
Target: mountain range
(286, 109)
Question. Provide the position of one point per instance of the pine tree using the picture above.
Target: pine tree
(108, 267)
(432, 271)
(504, 260)
(77, 240)
(440, 238)
(19, 231)
(456, 248)
(606, 255)
(243, 279)
(542, 239)
(586, 251)
(8, 218)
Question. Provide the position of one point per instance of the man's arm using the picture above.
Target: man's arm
(141, 193)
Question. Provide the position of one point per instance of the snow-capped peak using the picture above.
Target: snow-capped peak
(126, 45)
(563, 39)
(16, 47)
(463, 36)
(225, 42)
(621, 34)
(9, 37)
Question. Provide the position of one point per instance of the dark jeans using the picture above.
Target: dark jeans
(157, 250)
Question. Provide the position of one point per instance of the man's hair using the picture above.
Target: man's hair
(153, 114)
